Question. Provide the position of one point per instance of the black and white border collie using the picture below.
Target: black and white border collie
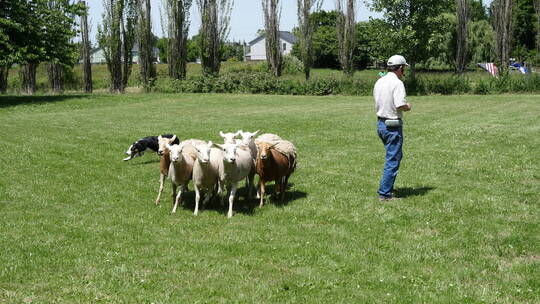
(151, 142)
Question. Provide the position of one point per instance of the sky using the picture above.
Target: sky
(246, 17)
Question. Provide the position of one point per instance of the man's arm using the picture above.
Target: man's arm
(406, 107)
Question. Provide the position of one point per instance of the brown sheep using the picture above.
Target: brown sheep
(273, 165)
(164, 162)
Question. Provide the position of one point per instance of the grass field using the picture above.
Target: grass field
(78, 225)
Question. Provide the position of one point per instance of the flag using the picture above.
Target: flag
(489, 67)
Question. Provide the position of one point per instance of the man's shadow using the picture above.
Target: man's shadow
(410, 191)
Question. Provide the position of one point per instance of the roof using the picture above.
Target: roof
(287, 36)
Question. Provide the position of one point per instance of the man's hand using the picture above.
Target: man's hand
(406, 107)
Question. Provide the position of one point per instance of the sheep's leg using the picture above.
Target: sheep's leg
(178, 198)
(258, 189)
(231, 199)
(250, 177)
(161, 182)
(173, 192)
(197, 198)
(261, 192)
(207, 197)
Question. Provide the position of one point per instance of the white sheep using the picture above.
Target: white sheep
(248, 139)
(182, 158)
(228, 138)
(237, 165)
(267, 137)
(207, 170)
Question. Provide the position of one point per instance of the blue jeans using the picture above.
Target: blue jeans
(392, 138)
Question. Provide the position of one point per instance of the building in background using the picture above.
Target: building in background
(256, 49)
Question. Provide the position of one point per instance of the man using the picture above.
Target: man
(390, 102)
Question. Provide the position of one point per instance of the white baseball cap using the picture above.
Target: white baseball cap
(397, 60)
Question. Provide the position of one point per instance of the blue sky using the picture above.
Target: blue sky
(246, 17)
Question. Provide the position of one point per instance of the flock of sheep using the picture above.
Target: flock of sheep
(215, 168)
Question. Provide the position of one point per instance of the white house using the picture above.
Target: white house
(257, 47)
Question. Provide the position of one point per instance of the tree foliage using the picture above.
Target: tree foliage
(306, 8)
(412, 24)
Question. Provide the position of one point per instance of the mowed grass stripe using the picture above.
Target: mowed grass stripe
(79, 225)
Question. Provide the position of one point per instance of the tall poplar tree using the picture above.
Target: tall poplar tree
(271, 28)
(306, 8)
(116, 37)
(346, 33)
(146, 66)
(178, 28)
(502, 25)
(462, 13)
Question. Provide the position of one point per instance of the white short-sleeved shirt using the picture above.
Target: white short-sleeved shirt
(389, 93)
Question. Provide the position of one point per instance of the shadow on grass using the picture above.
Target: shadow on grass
(145, 162)
(11, 100)
(410, 191)
(242, 204)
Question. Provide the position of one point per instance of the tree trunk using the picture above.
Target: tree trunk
(273, 48)
(55, 72)
(502, 24)
(462, 7)
(178, 30)
(210, 41)
(346, 28)
(305, 9)
(537, 10)
(147, 69)
(28, 77)
(4, 72)
(86, 64)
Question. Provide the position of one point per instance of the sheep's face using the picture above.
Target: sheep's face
(248, 137)
(163, 143)
(175, 152)
(228, 138)
(229, 152)
(203, 152)
(264, 150)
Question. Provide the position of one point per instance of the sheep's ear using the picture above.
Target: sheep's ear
(159, 137)
(210, 143)
(255, 133)
(173, 138)
(221, 134)
(217, 146)
(239, 132)
(273, 145)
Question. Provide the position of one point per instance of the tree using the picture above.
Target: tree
(116, 36)
(523, 28)
(502, 24)
(306, 9)
(345, 28)
(178, 31)
(146, 66)
(85, 51)
(271, 27)
(36, 31)
(537, 10)
(462, 12)
(412, 24)
(477, 11)
(215, 21)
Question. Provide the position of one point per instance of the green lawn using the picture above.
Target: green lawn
(78, 225)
